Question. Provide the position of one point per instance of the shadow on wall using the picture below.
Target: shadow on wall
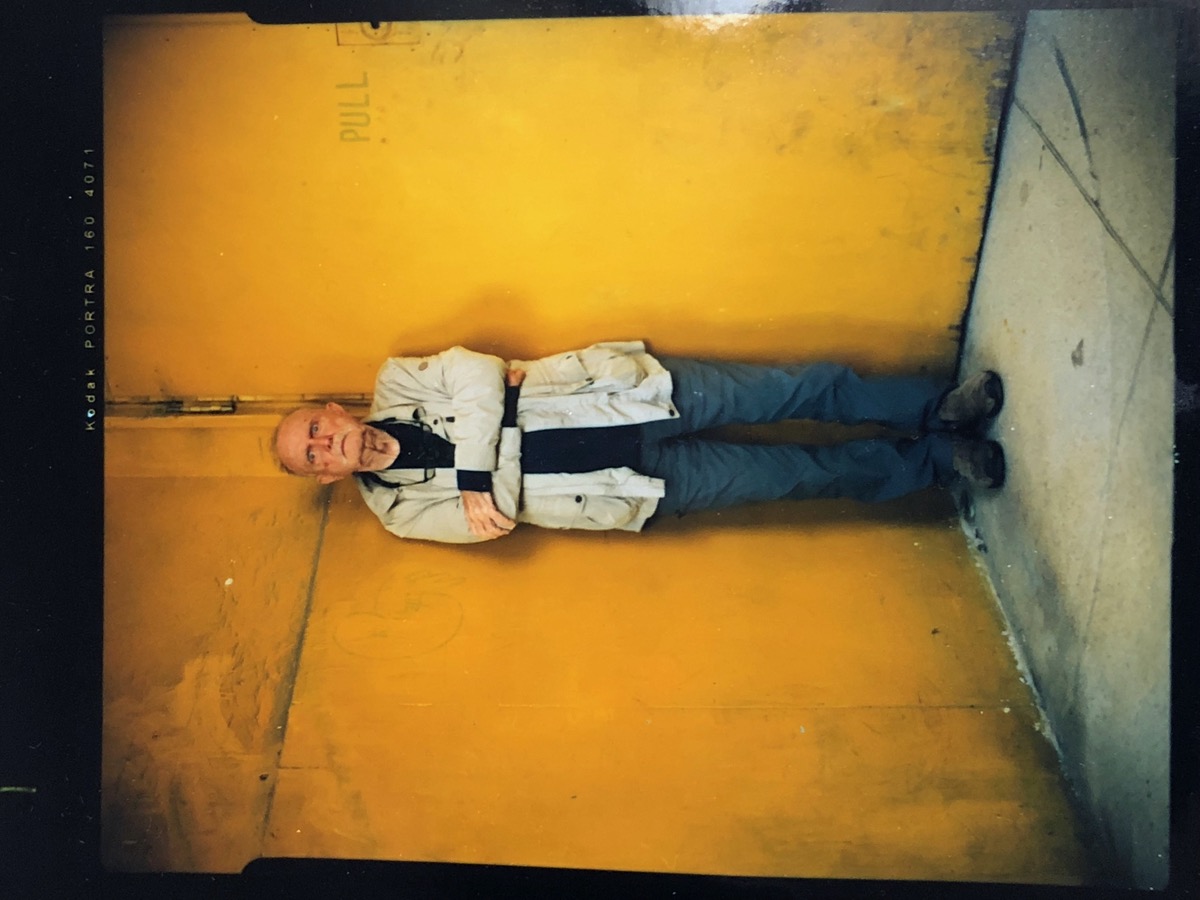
(870, 346)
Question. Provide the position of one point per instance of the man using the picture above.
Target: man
(461, 446)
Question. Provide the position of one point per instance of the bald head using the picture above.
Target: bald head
(327, 443)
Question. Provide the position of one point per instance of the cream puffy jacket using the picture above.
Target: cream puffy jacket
(459, 395)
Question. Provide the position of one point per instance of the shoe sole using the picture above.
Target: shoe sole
(994, 388)
(997, 462)
(988, 473)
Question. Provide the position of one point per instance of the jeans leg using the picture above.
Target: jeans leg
(709, 394)
(703, 474)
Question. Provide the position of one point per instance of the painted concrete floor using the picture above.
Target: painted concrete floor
(1073, 304)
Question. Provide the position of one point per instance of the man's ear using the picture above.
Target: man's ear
(329, 479)
(333, 407)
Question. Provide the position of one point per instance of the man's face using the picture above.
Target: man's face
(323, 441)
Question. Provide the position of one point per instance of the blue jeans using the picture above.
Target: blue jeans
(707, 474)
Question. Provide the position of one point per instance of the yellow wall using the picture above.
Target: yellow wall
(207, 575)
(740, 700)
(805, 689)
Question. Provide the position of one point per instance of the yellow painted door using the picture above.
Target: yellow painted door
(805, 689)
(746, 187)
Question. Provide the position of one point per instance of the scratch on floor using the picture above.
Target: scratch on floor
(1091, 201)
(1083, 132)
(1106, 492)
(1166, 266)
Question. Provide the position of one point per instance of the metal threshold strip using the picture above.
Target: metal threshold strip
(161, 407)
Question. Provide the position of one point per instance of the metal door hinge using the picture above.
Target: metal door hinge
(201, 406)
(153, 407)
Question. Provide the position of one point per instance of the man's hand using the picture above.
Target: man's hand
(483, 519)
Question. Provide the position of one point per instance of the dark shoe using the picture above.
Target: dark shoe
(980, 463)
(977, 399)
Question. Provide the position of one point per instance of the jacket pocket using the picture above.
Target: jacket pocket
(590, 512)
(595, 369)
(556, 375)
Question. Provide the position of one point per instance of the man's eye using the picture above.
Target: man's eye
(312, 430)
(311, 459)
